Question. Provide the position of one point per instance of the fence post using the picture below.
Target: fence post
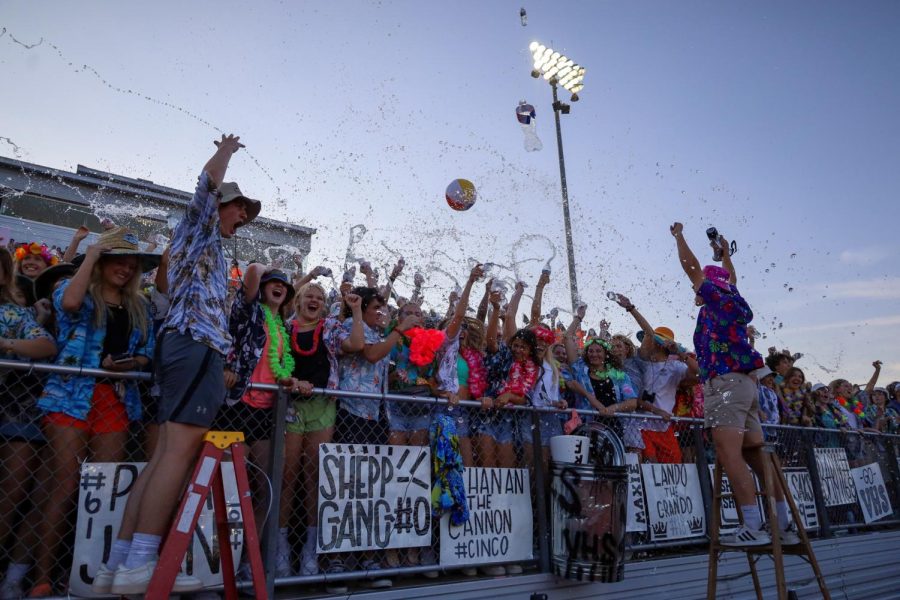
(540, 492)
(703, 471)
(276, 473)
(824, 522)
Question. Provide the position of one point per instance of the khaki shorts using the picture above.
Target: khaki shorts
(306, 415)
(731, 400)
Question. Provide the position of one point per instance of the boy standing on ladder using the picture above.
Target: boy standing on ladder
(189, 371)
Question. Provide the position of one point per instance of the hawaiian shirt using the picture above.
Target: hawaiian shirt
(246, 325)
(18, 323)
(80, 344)
(198, 272)
(720, 338)
(357, 374)
(497, 365)
(580, 372)
(768, 406)
(828, 417)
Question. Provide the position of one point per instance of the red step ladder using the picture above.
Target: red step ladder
(207, 478)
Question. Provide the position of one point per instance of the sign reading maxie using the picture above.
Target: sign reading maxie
(373, 497)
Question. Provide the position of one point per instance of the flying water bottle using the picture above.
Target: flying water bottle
(526, 115)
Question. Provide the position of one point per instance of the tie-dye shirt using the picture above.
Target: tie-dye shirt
(720, 338)
(198, 272)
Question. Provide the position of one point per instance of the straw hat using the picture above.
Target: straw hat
(120, 241)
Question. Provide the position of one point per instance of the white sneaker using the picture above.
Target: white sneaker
(309, 565)
(493, 570)
(11, 590)
(745, 537)
(788, 535)
(469, 571)
(513, 569)
(335, 567)
(135, 581)
(283, 565)
(374, 581)
(102, 580)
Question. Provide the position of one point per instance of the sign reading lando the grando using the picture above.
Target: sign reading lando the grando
(674, 501)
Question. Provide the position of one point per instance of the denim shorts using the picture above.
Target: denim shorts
(460, 416)
(550, 426)
(408, 416)
(497, 424)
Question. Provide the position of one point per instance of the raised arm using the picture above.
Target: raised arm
(74, 295)
(493, 327)
(462, 305)
(481, 315)
(569, 337)
(375, 352)
(251, 281)
(512, 309)
(689, 262)
(72, 251)
(218, 163)
(647, 342)
(870, 386)
(726, 260)
(357, 339)
(162, 274)
(299, 282)
(539, 296)
(365, 267)
(418, 280)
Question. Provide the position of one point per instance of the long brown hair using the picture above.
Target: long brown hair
(132, 299)
(8, 288)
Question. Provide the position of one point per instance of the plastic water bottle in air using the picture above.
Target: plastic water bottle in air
(526, 117)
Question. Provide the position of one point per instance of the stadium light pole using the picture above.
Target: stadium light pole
(561, 71)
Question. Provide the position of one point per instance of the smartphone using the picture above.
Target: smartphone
(713, 234)
(121, 358)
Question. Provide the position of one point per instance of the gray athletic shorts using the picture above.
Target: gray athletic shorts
(191, 378)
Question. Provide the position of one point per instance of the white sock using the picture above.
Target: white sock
(118, 554)
(309, 548)
(781, 508)
(284, 544)
(751, 517)
(144, 548)
(16, 572)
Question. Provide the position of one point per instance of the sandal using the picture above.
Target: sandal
(41, 590)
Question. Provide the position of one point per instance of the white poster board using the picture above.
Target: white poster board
(674, 501)
(373, 497)
(873, 495)
(801, 487)
(102, 493)
(636, 512)
(728, 517)
(834, 476)
(500, 524)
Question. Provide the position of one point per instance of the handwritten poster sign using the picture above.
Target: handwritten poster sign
(373, 497)
(636, 513)
(674, 501)
(500, 522)
(834, 476)
(728, 517)
(873, 496)
(801, 487)
(102, 493)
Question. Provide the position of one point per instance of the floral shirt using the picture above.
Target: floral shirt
(80, 344)
(768, 406)
(18, 323)
(246, 325)
(580, 372)
(720, 338)
(355, 373)
(198, 272)
(794, 403)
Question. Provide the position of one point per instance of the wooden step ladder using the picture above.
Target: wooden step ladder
(772, 476)
(207, 478)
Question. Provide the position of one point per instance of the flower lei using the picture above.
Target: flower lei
(317, 334)
(38, 250)
(424, 344)
(281, 363)
(477, 373)
(854, 405)
(522, 377)
(614, 374)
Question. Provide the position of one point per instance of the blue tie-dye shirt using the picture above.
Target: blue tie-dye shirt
(198, 272)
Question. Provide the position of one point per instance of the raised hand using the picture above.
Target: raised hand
(580, 311)
(229, 142)
(476, 273)
(676, 229)
(353, 301)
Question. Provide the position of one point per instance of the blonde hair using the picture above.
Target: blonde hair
(628, 343)
(305, 288)
(8, 288)
(132, 299)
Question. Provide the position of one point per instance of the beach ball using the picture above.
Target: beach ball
(461, 194)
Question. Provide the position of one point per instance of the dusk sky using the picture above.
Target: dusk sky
(776, 122)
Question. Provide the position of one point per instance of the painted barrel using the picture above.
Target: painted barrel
(588, 522)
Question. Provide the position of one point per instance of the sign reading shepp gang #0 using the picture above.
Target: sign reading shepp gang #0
(674, 501)
(373, 497)
(500, 522)
(102, 493)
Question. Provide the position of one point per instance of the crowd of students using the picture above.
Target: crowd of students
(119, 307)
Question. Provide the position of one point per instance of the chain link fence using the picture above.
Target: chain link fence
(346, 503)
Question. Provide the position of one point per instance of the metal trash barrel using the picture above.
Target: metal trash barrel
(588, 504)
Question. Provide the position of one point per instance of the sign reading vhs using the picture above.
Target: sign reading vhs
(373, 497)
(500, 522)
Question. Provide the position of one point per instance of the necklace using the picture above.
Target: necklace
(615, 374)
(281, 363)
(317, 334)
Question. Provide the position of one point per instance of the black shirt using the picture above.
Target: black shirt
(118, 331)
(604, 390)
(314, 368)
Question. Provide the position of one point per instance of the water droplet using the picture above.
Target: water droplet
(772, 265)
(785, 285)
(793, 255)
(767, 270)
(790, 289)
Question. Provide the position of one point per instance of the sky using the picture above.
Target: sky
(774, 122)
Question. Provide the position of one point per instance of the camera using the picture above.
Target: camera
(713, 234)
(648, 397)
